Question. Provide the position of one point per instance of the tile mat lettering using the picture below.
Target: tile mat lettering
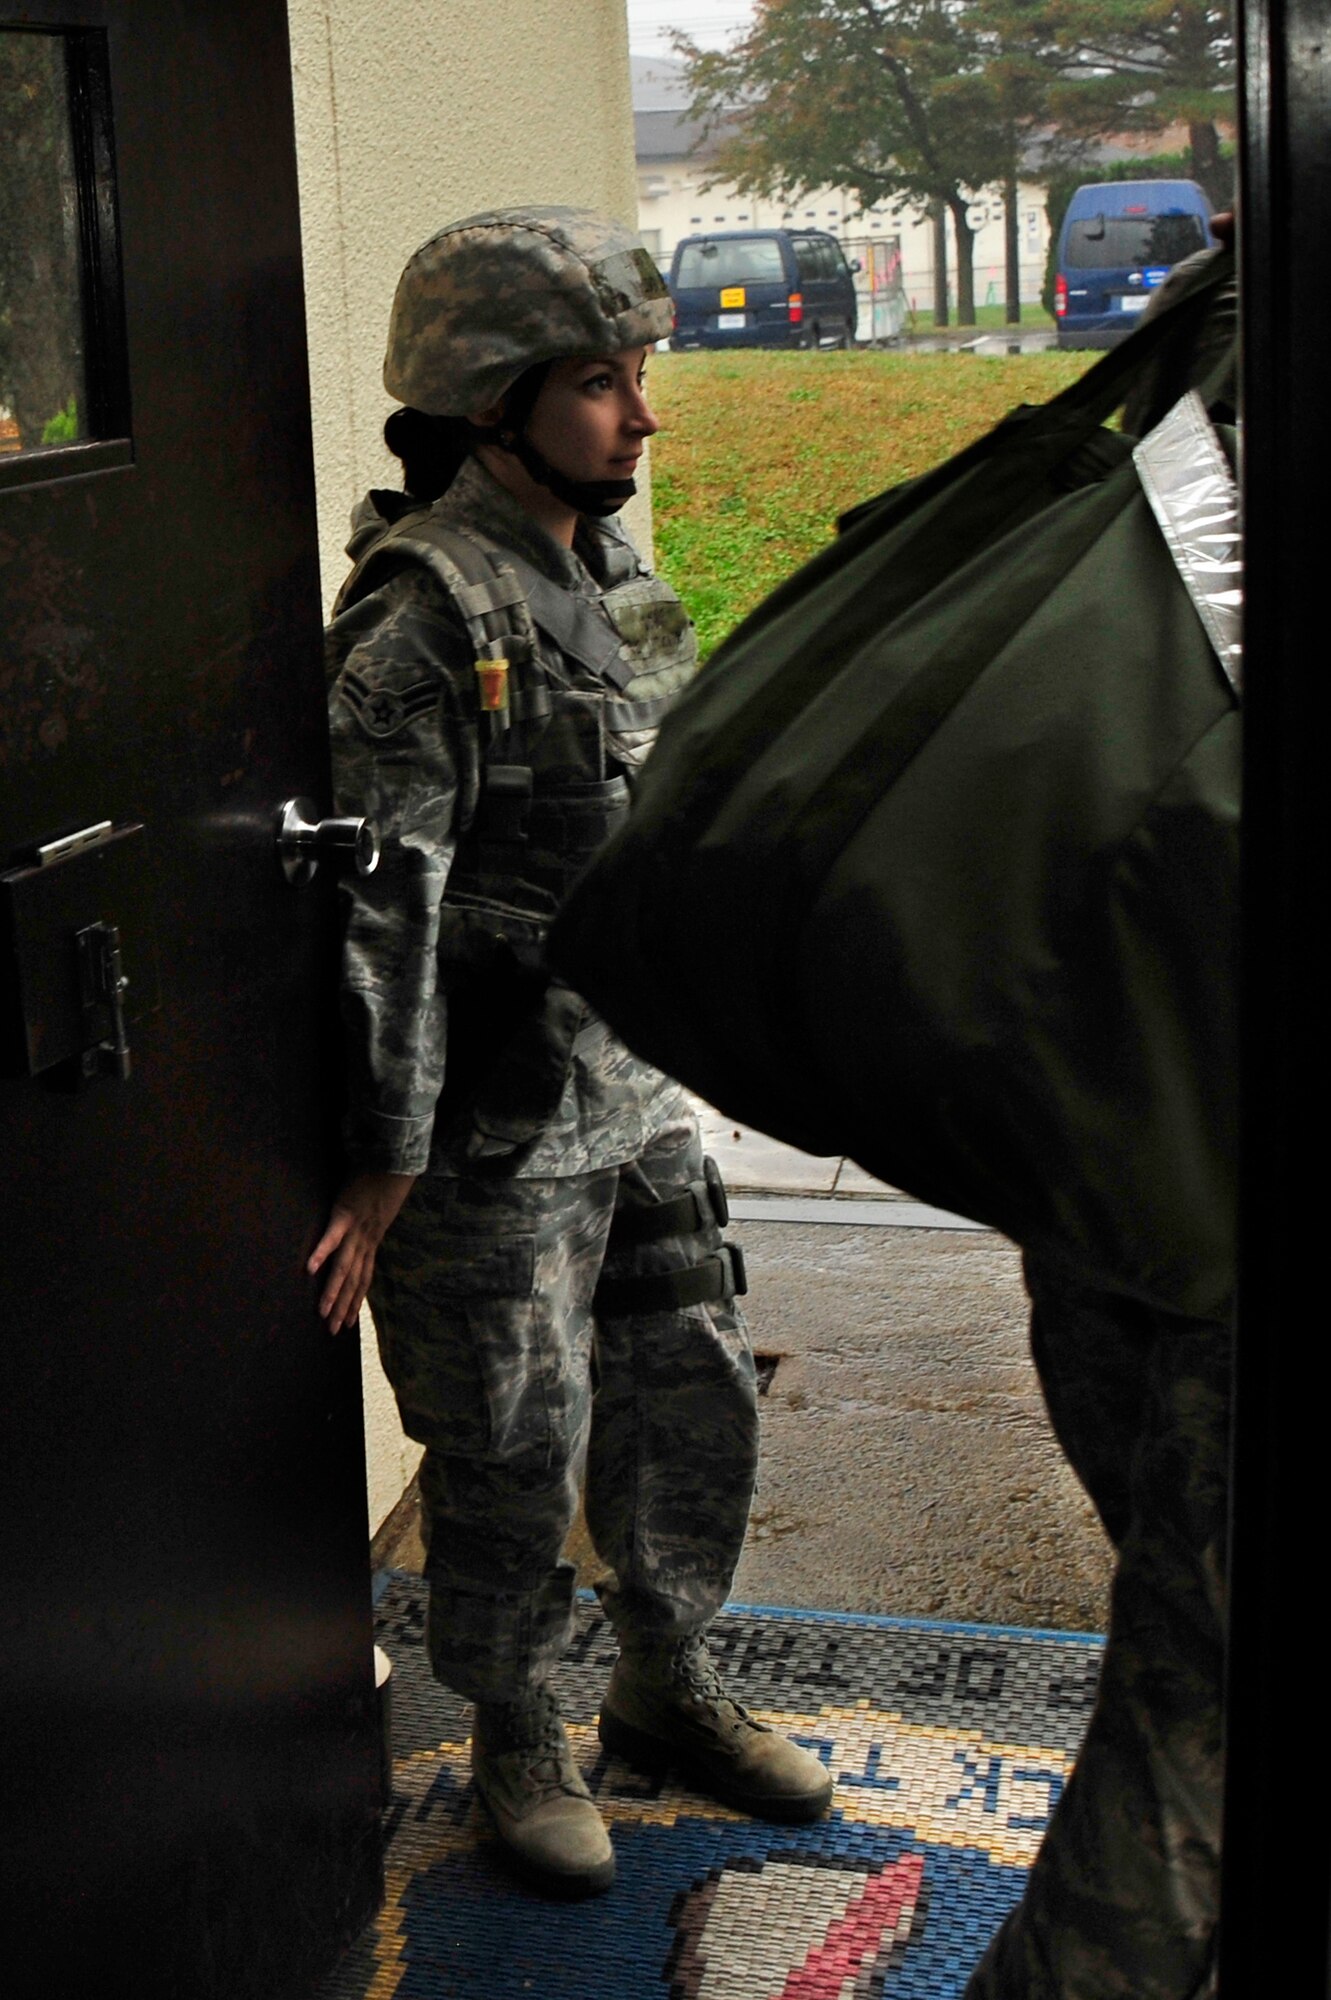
(949, 1745)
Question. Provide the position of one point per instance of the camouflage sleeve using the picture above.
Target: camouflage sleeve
(404, 755)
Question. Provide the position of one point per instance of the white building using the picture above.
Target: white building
(672, 202)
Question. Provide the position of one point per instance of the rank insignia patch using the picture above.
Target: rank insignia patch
(383, 711)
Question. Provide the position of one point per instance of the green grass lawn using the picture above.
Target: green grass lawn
(759, 452)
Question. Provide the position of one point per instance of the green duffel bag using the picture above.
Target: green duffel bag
(936, 862)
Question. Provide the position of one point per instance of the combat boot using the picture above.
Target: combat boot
(667, 1706)
(535, 1794)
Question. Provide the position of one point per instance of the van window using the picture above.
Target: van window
(806, 257)
(1113, 242)
(750, 260)
(816, 260)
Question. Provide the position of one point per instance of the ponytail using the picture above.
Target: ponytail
(432, 450)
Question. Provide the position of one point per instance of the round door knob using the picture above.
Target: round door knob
(304, 841)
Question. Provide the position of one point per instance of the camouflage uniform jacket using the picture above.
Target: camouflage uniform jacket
(464, 1053)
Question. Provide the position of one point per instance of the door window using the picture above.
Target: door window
(62, 381)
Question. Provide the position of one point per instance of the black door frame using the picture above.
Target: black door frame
(1277, 1873)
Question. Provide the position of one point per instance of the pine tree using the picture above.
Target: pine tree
(1133, 66)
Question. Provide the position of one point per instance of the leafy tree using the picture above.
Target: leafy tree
(64, 425)
(891, 99)
(1134, 66)
(1018, 87)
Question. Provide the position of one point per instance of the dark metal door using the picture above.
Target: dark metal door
(190, 1772)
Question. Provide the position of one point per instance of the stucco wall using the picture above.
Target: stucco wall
(412, 112)
(409, 113)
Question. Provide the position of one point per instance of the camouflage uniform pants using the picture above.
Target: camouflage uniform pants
(483, 1300)
(1122, 1900)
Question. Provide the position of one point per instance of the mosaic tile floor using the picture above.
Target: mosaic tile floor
(950, 1745)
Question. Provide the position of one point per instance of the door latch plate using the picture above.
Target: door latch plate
(78, 960)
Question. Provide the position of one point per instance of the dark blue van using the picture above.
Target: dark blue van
(1118, 242)
(762, 288)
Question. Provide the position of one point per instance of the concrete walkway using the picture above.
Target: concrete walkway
(907, 1464)
(771, 1182)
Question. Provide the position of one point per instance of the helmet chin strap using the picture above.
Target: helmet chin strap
(598, 497)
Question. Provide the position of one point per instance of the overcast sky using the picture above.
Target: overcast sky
(712, 25)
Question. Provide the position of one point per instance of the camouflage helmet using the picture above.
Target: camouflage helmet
(492, 295)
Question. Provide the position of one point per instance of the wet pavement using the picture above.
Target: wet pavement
(907, 1463)
(991, 343)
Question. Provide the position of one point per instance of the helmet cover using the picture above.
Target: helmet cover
(492, 295)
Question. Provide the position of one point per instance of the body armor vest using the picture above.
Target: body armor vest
(567, 695)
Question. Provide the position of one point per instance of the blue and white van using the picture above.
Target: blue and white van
(1118, 242)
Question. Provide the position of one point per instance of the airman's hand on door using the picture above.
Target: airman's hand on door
(362, 1215)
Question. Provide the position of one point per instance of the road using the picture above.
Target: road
(990, 344)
